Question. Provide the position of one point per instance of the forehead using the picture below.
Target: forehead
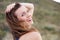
(21, 9)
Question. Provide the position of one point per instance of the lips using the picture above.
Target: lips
(29, 20)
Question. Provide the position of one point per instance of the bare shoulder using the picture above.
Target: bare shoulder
(31, 36)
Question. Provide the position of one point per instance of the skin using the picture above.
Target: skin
(27, 17)
(25, 13)
(31, 36)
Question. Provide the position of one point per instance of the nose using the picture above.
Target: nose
(29, 16)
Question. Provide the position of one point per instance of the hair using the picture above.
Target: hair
(18, 28)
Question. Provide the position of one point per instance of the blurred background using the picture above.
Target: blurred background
(46, 18)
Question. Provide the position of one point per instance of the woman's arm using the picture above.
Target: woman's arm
(29, 6)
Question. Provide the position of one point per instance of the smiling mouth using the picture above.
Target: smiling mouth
(29, 20)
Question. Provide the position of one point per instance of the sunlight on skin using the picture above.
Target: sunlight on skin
(22, 13)
(31, 36)
(25, 13)
(57, 1)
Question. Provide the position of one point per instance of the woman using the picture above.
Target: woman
(19, 17)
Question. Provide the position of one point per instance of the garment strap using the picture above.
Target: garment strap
(17, 38)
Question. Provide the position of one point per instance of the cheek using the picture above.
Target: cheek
(21, 18)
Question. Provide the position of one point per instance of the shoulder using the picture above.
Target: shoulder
(31, 36)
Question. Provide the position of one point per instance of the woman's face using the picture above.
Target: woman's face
(23, 15)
